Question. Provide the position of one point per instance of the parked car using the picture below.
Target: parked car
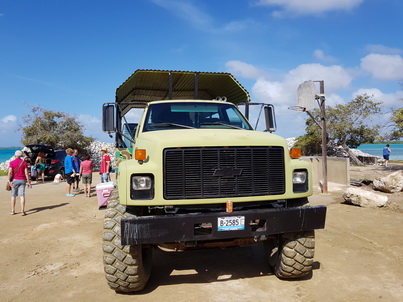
(57, 163)
(54, 159)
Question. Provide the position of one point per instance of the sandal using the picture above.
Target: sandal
(12, 213)
(23, 214)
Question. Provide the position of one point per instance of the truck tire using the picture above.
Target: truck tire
(292, 256)
(127, 267)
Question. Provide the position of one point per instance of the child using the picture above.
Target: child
(86, 167)
(58, 178)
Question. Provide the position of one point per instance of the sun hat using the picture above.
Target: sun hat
(104, 149)
(18, 153)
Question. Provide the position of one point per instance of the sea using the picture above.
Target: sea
(6, 154)
(377, 150)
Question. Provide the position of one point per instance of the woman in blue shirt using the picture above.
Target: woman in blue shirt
(386, 153)
(69, 171)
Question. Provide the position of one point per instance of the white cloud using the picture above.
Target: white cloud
(384, 67)
(320, 55)
(187, 11)
(284, 92)
(309, 7)
(8, 125)
(377, 48)
(333, 99)
(336, 77)
(389, 100)
(269, 92)
(199, 19)
(8, 119)
(8, 130)
(245, 70)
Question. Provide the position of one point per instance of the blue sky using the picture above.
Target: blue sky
(70, 56)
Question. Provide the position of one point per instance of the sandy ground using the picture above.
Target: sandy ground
(54, 254)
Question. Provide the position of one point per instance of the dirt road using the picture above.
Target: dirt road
(54, 254)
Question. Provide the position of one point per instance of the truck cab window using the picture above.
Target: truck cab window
(181, 115)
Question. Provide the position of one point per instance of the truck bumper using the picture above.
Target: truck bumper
(183, 227)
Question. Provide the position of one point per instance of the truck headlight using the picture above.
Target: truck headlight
(142, 187)
(141, 182)
(299, 177)
(300, 181)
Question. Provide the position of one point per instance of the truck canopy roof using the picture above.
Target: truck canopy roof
(146, 85)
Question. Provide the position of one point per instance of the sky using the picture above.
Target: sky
(70, 56)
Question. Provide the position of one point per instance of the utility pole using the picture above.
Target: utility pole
(305, 103)
(322, 106)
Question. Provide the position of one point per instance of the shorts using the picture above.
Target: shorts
(77, 178)
(18, 188)
(386, 157)
(40, 167)
(69, 178)
(87, 179)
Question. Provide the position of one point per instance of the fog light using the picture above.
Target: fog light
(141, 182)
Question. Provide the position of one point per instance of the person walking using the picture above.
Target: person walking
(105, 165)
(86, 174)
(76, 166)
(18, 178)
(386, 154)
(69, 172)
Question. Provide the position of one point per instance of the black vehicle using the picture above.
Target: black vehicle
(57, 163)
(54, 160)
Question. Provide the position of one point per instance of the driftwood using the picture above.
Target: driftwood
(352, 156)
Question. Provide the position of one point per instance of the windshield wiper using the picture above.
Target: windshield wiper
(221, 124)
(171, 125)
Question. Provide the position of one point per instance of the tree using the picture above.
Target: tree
(348, 125)
(353, 124)
(397, 122)
(311, 142)
(56, 129)
(397, 119)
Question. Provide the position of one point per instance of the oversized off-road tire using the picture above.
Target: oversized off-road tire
(127, 267)
(292, 254)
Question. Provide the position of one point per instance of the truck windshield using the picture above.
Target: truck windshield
(164, 116)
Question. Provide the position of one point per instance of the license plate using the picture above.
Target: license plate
(232, 223)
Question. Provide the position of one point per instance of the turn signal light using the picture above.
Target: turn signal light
(140, 154)
(295, 152)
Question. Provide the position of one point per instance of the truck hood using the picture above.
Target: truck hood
(208, 138)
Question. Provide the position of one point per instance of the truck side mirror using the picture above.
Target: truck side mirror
(270, 118)
(108, 118)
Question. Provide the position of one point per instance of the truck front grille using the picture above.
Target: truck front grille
(194, 173)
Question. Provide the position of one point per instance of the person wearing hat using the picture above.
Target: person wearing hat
(105, 165)
(18, 178)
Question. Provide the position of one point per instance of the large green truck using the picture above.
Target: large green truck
(193, 173)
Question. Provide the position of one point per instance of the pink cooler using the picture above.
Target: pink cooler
(104, 191)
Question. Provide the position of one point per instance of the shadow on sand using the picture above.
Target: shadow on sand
(210, 266)
(36, 210)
